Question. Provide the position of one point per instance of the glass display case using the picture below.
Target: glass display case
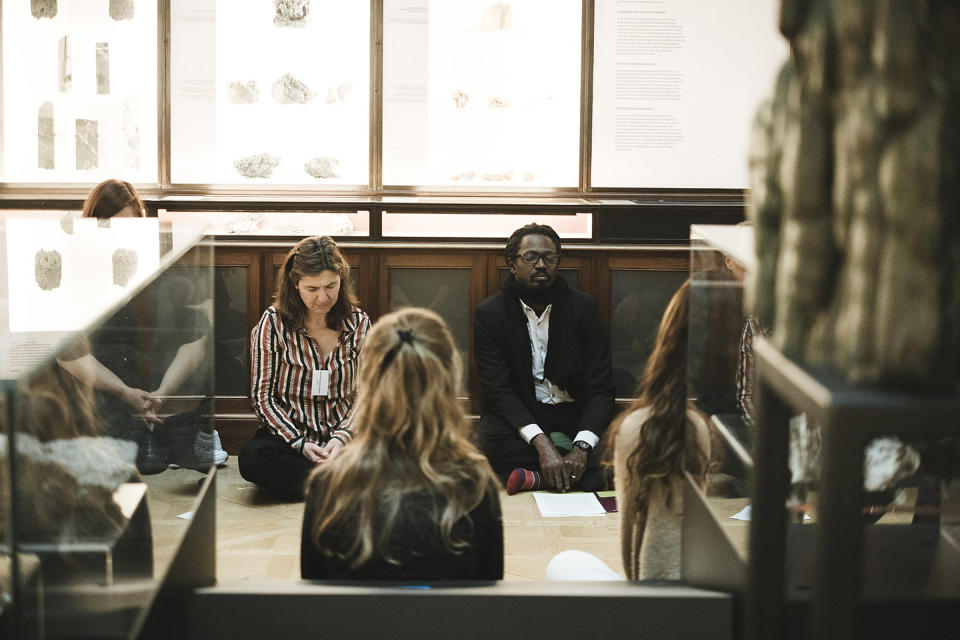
(106, 342)
(833, 508)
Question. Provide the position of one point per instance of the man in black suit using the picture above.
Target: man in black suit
(544, 362)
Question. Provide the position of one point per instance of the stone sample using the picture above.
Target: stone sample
(260, 165)
(498, 16)
(43, 8)
(124, 266)
(65, 65)
(66, 223)
(121, 9)
(45, 136)
(460, 99)
(322, 167)
(289, 90)
(47, 269)
(292, 13)
(103, 68)
(340, 93)
(131, 131)
(245, 223)
(854, 192)
(243, 92)
(88, 144)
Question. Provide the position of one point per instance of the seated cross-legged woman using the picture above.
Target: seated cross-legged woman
(658, 438)
(304, 354)
(411, 497)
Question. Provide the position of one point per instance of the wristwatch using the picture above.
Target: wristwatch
(580, 444)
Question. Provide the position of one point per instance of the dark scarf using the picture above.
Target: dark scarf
(556, 291)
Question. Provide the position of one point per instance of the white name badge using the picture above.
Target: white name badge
(320, 385)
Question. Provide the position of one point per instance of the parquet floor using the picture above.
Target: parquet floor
(258, 536)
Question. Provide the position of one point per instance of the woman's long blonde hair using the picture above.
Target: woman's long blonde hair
(663, 449)
(411, 436)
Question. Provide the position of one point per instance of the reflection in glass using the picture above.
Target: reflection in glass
(480, 94)
(445, 291)
(101, 394)
(230, 321)
(275, 223)
(638, 299)
(79, 93)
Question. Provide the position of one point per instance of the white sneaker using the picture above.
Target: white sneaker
(207, 446)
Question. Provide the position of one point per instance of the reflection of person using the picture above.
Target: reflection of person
(113, 198)
(303, 362)
(653, 442)
(411, 498)
(544, 362)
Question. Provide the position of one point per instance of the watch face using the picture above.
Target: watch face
(583, 445)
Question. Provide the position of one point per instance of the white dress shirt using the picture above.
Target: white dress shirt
(547, 392)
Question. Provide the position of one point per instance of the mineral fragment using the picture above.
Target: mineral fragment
(460, 99)
(498, 16)
(43, 8)
(243, 92)
(260, 165)
(121, 9)
(47, 268)
(124, 266)
(322, 167)
(103, 68)
(288, 90)
(292, 13)
(65, 77)
(88, 144)
(45, 136)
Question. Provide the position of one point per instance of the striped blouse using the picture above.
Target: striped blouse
(282, 365)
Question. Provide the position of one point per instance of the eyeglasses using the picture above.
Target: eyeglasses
(533, 257)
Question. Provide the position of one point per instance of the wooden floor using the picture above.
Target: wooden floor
(258, 536)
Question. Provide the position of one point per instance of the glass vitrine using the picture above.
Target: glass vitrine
(106, 342)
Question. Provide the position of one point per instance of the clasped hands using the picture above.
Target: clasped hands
(559, 471)
(318, 454)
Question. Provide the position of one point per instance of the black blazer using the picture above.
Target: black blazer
(578, 357)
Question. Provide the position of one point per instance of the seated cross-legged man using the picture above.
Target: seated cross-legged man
(543, 360)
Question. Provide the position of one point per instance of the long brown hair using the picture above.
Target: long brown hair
(412, 436)
(110, 197)
(663, 449)
(309, 257)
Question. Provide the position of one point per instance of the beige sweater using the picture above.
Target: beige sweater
(651, 546)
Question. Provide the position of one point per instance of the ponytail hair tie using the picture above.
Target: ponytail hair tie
(405, 335)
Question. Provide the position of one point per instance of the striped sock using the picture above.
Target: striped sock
(522, 480)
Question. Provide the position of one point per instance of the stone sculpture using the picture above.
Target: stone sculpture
(854, 192)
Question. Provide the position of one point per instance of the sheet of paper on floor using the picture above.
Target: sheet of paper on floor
(560, 505)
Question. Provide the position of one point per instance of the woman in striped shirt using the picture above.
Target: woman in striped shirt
(303, 362)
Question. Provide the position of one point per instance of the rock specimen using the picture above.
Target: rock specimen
(497, 16)
(854, 192)
(45, 136)
(124, 266)
(121, 9)
(288, 90)
(246, 223)
(66, 223)
(43, 8)
(260, 165)
(131, 131)
(339, 94)
(65, 65)
(460, 99)
(88, 144)
(322, 167)
(243, 92)
(292, 13)
(103, 68)
(47, 268)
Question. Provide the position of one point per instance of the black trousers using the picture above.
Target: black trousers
(506, 450)
(269, 462)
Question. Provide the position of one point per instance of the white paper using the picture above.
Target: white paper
(562, 505)
(320, 384)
